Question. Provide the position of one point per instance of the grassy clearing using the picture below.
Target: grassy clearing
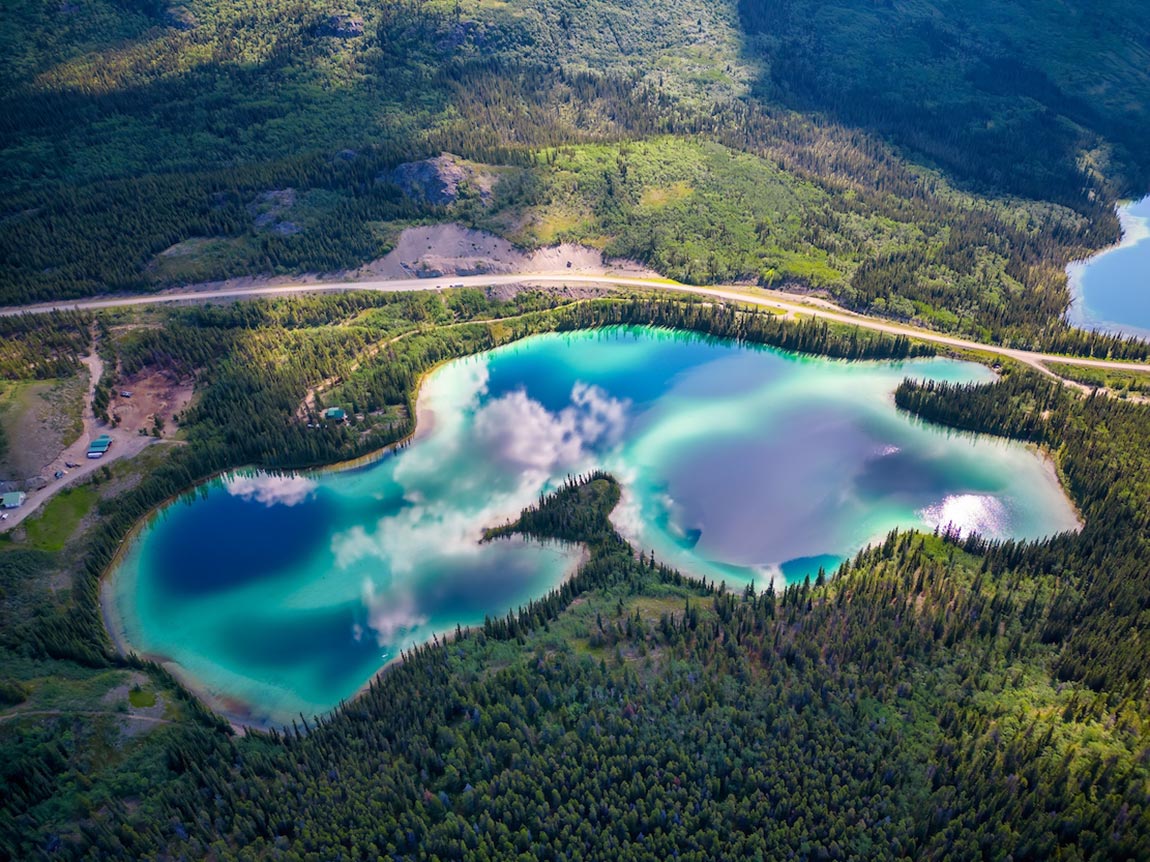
(696, 211)
(1122, 382)
(142, 698)
(56, 523)
(652, 608)
(80, 691)
(198, 259)
(38, 419)
(586, 627)
(660, 197)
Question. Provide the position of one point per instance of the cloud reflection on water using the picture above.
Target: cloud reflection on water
(761, 469)
(271, 489)
(452, 495)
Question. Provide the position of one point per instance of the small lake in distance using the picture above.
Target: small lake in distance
(1111, 291)
(275, 595)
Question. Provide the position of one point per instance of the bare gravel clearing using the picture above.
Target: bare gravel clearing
(444, 250)
(152, 394)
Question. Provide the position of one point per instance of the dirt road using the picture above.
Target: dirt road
(119, 716)
(126, 444)
(793, 303)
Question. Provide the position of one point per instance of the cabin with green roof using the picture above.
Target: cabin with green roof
(99, 446)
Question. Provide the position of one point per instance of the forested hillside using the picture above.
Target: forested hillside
(1037, 98)
(948, 180)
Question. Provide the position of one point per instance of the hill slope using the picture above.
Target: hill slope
(132, 134)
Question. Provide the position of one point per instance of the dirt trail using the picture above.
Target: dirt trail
(126, 444)
(307, 405)
(794, 303)
(126, 716)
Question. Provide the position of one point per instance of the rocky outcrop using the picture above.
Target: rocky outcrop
(268, 210)
(440, 180)
(344, 25)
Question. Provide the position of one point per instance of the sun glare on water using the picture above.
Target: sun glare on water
(966, 514)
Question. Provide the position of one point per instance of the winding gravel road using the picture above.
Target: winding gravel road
(789, 302)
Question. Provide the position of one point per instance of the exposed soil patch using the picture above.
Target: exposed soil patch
(143, 707)
(119, 694)
(428, 252)
(444, 250)
(154, 394)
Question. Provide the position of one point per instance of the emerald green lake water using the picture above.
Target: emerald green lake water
(275, 595)
(1111, 291)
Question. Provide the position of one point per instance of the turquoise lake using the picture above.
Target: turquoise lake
(275, 595)
(1111, 291)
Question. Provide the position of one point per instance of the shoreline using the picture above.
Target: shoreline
(113, 625)
(1052, 468)
(241, 715)
(423, 425)
(116, 629)
(238, 714)
(1135, 230)
(572, 571)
